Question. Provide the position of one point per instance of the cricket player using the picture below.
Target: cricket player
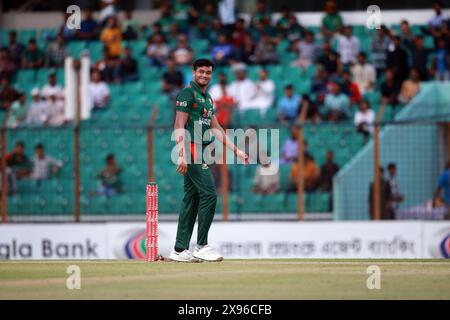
(194, 112)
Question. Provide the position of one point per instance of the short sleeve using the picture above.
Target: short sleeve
(184, 101)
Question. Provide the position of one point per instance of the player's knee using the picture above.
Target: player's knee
(210, 196)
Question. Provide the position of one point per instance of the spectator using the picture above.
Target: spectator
(364, 74)
(443, 184)
(98, 91)
(205, 22)
(111, 37)
(312, 113)
(18, 161)
(128, 67)
(7, 66)
(348, 46)
(32, 57)
(319, 84)
(397, 197)
(66, 31)
(243, 90)
(166, 18)
(15, 49)
(379, 47)
(157, 51)
(385, 199)
(238, 38)
(7, 94)
(410, 88)
(266, 50)
(261, 12)
(52, 88)
(406, 35)
(227, 14)
(56, 53)
(329, 60)
(336, 103)
(173, 79)
(364, 119)
(111, 184)
(185, 14)
(182, 54)
(248, 51)
(332, 21)
(350, 88)
(108, 67)
(267, 179)
(306, 50)
(397, 60)
(327, 173)
(289, 151)
(223, 52)
(130, 26)
(389, 89)
(294, 29)
(55, 111)
(38, 112)
(89, 27)
(18, 112)
(419, 57)
(288, 105)
(223, 102)
(283, 22)
(436, 22)
(214, 33)
(44, 166)
(311, 174)
(265, 92)
(442, 57)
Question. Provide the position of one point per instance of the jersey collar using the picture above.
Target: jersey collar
(197, 87)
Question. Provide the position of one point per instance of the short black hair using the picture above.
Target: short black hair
(109, 157)
(202, 63)
(392, 165)
(289, 86)
(20, 143)
(39, 146)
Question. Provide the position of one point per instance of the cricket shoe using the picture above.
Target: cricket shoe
(207, 253)
(184, 256)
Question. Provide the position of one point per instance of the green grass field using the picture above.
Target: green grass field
(231, 279)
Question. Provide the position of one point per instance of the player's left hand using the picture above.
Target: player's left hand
(242, 155)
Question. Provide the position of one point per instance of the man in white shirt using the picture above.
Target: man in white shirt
(44, 166)
(265, 92)
(364, 119)
(98, 91)
(348, 46)
(364, 74)
(38, 113)
(242, 90)
(52, 88)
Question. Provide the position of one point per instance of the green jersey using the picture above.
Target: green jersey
(199, 106)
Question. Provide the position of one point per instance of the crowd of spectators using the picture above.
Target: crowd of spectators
(344, 74)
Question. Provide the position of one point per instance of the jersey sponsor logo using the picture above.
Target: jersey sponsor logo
(201, 100)
(181, 103)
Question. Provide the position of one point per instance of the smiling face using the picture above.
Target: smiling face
(202, 75)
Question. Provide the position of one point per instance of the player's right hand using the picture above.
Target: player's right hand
(182, 165)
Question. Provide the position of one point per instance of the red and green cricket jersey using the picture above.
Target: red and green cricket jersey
(199, 106)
